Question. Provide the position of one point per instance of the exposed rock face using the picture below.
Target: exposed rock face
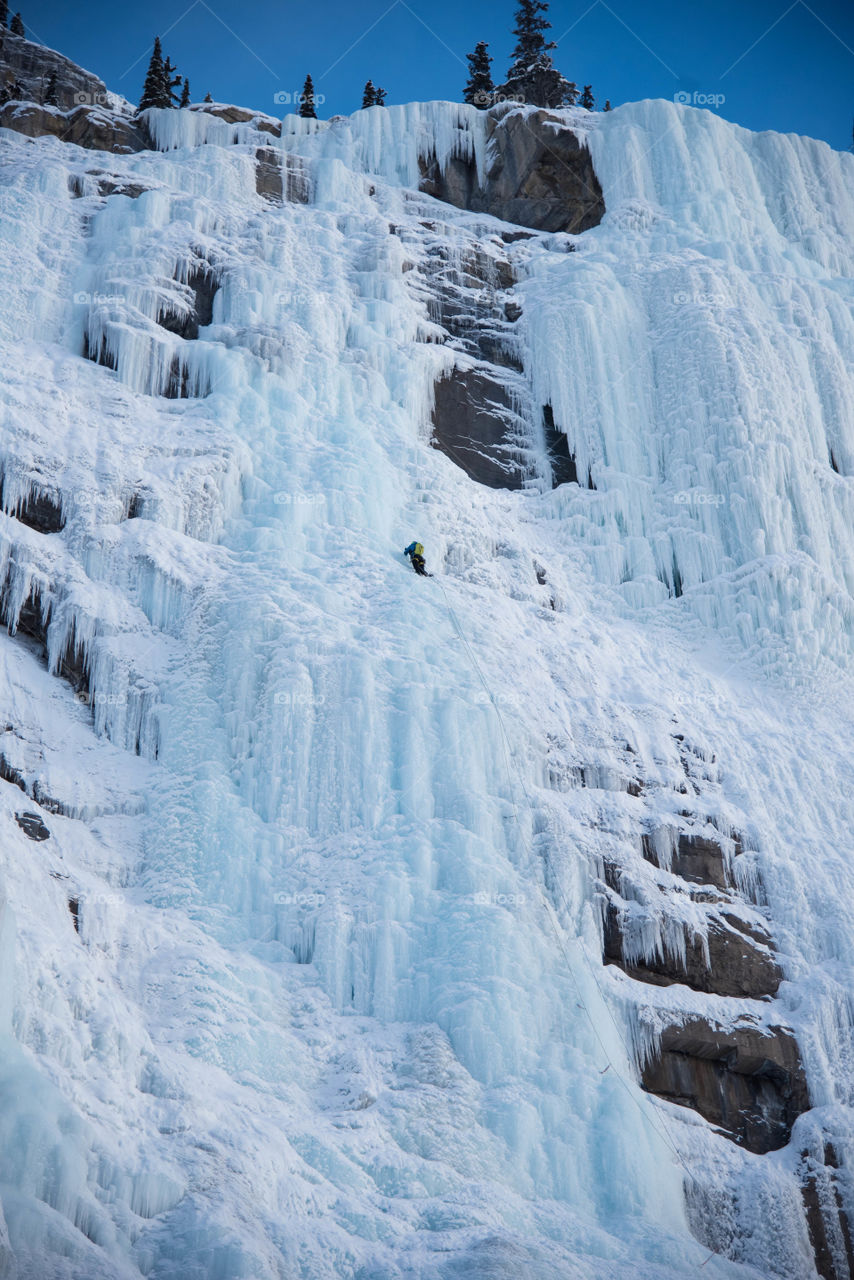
(740, 961)
(281, 177)
(475, 424)
(197, 295)
(748, 1081)
(32, 66)
(678, 908)
(90, 127)
(539, 175)
(241, 115)
(701, 861)
(477, 418)
(564, 469)
(32, 826)
(827, 1221)
(105, 184)
(41, 511)
(32, 788)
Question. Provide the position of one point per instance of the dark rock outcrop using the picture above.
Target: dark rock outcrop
(476, 425)
(748, 1080)
(32, 622)
(268, 174)
(563, 464)
(41, 511)
(698, 859)
(827, 1220)
(281, 177)
(196, 311)
(32, 826)
(34, 789)
(113, 185)
(240, 115)
(31, 65)
(740, 960)
(90, 127)
(99, 354)
(539, 175)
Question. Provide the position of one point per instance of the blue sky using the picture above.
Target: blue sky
(776, 64)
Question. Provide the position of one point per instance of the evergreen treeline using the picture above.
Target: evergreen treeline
(532, 77)
(373, 95)
(161, 81)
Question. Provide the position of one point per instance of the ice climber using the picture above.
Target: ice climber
(415, 551)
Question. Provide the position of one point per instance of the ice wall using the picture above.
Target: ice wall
(710, 323)
(341, 981)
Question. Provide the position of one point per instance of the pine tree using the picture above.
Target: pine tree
(17, 26)
(380, 98)
(12, 92)
(208, 97)
(50, 98)
(306, 105)
(154, 88)
(533, 76)
(479, 90)
(587, 101)
(369, 95)
(4, 13)
(171, 80)
(185, 94)
(607, 106)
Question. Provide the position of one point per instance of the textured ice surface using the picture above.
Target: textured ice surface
(336, 1006)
